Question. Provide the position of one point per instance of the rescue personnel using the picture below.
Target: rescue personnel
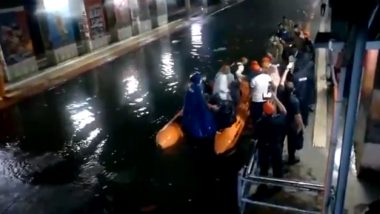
(303, 79)
(271, 70)
(294, 122)
(255, 69)
(261, 90)
(197, 119)
(270, 133)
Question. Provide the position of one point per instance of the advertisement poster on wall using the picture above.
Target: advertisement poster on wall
(122, 13)
(96, 19)
(14, 35)
(59, 22)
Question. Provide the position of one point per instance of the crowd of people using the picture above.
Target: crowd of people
(282, 94)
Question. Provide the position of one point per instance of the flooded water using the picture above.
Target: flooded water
(88, 146)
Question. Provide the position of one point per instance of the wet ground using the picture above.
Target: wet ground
(88, 145)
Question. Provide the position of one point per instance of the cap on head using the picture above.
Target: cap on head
(269, 108)
(255, 67)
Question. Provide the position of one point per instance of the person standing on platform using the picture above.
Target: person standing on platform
(270, 132)
(303, 79)
(294, 122)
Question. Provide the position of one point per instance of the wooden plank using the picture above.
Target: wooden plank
(320, 127)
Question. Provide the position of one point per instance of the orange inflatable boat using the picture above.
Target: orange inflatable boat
(225, 140)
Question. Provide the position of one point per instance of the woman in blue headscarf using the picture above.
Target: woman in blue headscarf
(197, 119)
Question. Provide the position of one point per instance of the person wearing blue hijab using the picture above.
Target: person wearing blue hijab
(197, 119)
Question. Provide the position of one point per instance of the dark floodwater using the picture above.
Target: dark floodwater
(88, 145)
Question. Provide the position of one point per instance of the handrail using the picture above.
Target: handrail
(286, 183)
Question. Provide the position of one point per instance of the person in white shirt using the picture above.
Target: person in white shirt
(222, 102)
(261, 90)
(271, 70)
(222, 82)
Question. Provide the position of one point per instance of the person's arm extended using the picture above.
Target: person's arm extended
(285, 74)
(279, 104)
(213, 107)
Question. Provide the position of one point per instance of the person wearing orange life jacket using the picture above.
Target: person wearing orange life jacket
(271, 70)
(255, 69)
(270, 132)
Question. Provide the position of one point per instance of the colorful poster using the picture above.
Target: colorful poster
(59, 22)
(122, 13)
(95, 16)
(14, 35)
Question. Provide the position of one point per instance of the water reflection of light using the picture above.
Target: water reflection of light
(93, 134)
(132, 85)
(196, 35)
(167, 64)
(133, 95)
(99, 148)
(81, 115)
(167, 71)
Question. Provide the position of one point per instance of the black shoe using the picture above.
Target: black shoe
(293, 161)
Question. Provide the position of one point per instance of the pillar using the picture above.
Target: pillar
(118, 19)
(162, 12)
(96, 24)
(144, 19)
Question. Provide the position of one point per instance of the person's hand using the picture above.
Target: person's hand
(290, 65)
(212, 107)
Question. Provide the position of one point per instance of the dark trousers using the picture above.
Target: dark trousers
(270, 155)
(295, 142)
(256, 111)
(304, 107)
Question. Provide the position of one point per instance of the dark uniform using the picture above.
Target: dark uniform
(303, 79)
(292, 105)
(270, 132)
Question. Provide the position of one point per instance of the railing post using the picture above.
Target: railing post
(345, 159)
